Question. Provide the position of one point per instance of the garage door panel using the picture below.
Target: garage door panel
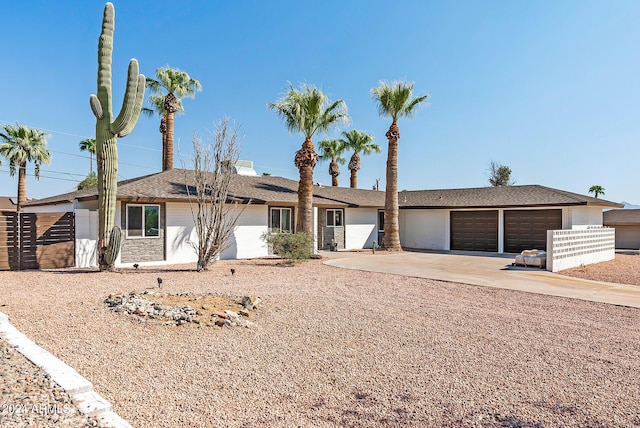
(628, 237)
(474, 230)
(527, 229)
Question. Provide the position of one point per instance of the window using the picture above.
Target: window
(335, 218)
(380, 221)
(280, 220)
(143, 221)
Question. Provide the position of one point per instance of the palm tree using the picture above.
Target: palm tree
(177, 84)
(21, 145)
(89, 145)
(597, 190)
(394, 99)
(307, 111)
(358, 142)
(332, 150)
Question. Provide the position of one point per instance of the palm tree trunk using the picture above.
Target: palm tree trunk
(22, 184)
(167, 149)
(354, 166)
(91, 165)
(305, 160)
(163, 132)
(334, 171)
(354, 179)
(391, 240)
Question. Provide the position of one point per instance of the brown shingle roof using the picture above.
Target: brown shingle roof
(621, 217)
(170, 186)
(494, 197)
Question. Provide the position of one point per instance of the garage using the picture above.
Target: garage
(628, 237)
(627, 225)
(527, 229)
(474, 230)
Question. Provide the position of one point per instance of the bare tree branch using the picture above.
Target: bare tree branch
(214, 215)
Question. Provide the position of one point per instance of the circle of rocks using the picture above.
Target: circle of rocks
(144, 305)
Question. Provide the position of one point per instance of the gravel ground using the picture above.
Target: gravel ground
(334, 347)
(30, 398)
(625, 269)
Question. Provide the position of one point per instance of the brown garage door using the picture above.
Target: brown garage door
(474, 230)
(527, 229)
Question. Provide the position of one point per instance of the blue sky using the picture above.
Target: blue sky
(549, 88)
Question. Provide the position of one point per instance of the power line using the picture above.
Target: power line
(45, 176)
(59, 178)
(52, 131)
(88, 157)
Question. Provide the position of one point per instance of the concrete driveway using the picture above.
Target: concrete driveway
(487, 270)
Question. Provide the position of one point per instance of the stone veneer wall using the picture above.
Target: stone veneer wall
(327, 233)
(136, 250)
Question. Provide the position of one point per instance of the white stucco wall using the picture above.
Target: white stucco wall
(86, 224)
(583, 216)
(361, 227)
(424, 229)
(245, 242)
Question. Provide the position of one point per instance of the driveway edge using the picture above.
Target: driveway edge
(79, 389)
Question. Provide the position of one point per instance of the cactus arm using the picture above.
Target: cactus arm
(112, 251)
(135, 112)
(132, 102)
(96, 106)
(105, 51)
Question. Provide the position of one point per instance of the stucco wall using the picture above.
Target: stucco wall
(86, 224)
(583, 216)
(424, 229)
(361, 227)
(245, 242)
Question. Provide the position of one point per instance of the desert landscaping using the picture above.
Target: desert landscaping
(330, 347)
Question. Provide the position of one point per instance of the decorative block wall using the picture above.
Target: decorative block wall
(575, 247)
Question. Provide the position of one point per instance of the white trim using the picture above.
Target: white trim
(143, 236)
(271, 209)
(335, 211)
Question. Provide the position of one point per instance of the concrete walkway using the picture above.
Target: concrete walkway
(487, 270)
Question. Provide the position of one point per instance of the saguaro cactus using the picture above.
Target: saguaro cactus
(107, 131)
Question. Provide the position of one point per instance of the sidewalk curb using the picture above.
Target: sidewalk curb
(79, 388)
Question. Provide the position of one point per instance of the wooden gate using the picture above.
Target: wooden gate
(9, 250)
(36, 240)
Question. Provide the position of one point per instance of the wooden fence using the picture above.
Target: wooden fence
(36, 240)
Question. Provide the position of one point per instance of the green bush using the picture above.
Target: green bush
(292, 247)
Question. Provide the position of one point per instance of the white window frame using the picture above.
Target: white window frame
(143, 236)
(271, 209)
(331, 214)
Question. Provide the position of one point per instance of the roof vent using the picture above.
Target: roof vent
(244, 167)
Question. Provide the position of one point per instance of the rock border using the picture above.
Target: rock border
(149, 306)
(79, 389)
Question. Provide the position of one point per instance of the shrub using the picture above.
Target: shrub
(292, 247)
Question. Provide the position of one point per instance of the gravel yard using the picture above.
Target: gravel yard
(625, 269)
(337, 347)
